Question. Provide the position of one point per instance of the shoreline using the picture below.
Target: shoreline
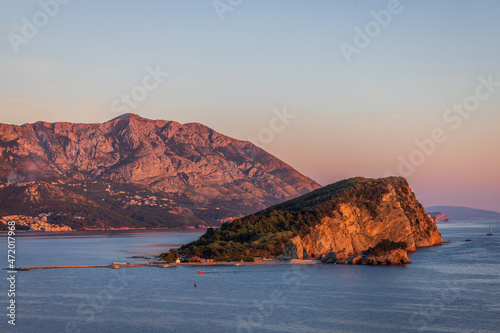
(117, 229)
(188, 228)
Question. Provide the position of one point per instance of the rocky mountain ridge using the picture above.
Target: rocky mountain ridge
(202, 176)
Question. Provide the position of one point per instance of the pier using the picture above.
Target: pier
(166, 265)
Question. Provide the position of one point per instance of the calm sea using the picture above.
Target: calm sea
(450, 288)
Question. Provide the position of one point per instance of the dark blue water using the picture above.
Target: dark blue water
(450, 288)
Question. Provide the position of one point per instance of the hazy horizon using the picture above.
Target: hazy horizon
(309, 82)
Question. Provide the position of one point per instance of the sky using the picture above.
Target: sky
(336, 89)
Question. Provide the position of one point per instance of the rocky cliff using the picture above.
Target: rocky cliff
(337, 221)
(394, 257)
(381, 209)
(439, 216)
(200, 174)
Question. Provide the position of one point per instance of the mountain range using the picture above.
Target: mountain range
(137, 172)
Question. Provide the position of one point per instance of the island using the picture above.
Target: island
(439, 217)
(353, 221)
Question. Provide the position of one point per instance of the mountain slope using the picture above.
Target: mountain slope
(465, 213)
(344, 219)
(201, 175)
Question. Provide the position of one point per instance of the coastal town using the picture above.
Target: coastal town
(34, 223)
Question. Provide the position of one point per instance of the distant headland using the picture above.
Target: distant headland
(465, 213)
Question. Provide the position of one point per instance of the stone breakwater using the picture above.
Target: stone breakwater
(165, 265)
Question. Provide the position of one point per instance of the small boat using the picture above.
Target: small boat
(491, 231)
(468, 240)
(201, 272)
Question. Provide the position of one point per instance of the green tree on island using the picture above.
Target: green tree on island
(170, 256)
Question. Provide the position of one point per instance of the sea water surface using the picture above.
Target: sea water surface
(450, 288)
